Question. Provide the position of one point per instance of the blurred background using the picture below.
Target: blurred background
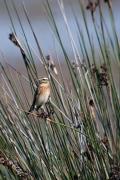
(42, 28)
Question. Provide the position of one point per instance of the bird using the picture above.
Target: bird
(42, 94)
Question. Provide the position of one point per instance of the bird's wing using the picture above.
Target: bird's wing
(34, 100)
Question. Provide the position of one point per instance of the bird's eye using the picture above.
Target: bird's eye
(45, 79)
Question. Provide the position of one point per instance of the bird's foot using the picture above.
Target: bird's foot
(43, 115)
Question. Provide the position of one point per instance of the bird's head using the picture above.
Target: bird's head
(42, 81)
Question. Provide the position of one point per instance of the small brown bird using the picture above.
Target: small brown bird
(42, 94)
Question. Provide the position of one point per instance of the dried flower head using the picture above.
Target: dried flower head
(109, 2)
(92, 6)
(91, 103)
(89, 153)
(104, 75)
(75, 66)
(13, 166)
(83, 65)
(94, 69)
(105, 141)
(103, 67)
(101, 76)
(14, 39)
(51, 64)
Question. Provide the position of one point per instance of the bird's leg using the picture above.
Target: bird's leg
(42, 110)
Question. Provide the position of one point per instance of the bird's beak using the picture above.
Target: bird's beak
(37, 82)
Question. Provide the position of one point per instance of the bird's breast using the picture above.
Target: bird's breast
(44, 94)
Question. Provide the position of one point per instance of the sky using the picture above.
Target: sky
(42, 28)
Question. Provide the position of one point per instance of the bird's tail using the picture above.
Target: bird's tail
(30, 110)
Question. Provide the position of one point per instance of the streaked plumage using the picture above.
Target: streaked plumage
(42, 94)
